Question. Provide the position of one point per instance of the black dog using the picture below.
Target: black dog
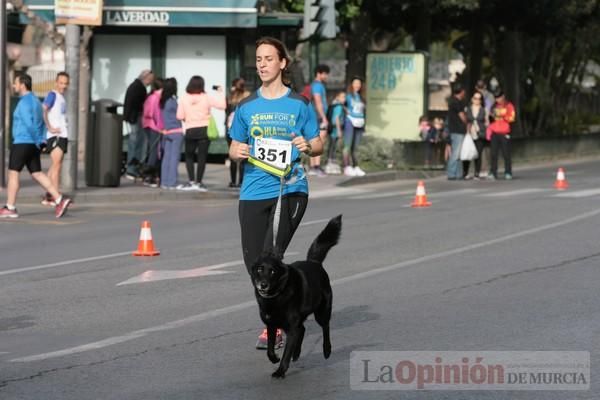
(288, 294)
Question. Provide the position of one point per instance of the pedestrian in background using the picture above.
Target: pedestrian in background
(133, 109)
(477, 122)
(172, 135)
(152, 123)
(55, 118)
(336, 130)
(354, 127)
(294, 131)
(498, 133)
(237, 93)
(488, 97)
(457, 126)
(319, 101)
(195, 112)
(28, 139)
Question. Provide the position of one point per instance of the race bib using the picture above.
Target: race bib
(274, 151)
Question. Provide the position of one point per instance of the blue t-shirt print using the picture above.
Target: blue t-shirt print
(258, 120)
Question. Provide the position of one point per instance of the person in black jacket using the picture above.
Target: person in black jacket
(132, 114)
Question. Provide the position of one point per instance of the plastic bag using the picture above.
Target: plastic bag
(212, 130)
(468, 151)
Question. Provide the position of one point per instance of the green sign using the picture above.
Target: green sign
(174, 13)
(396, 94)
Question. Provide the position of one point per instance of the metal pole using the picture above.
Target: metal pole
(2, 93)
(69, 172)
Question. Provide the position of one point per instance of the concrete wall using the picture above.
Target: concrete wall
(410, 155)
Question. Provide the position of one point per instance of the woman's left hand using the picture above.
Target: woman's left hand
(301, 144)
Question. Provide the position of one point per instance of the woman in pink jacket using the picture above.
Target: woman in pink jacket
(194, 110)
(153, 124)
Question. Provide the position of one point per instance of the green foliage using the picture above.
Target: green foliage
(375, 153)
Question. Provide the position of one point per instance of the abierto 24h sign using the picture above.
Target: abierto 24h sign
(396, 87)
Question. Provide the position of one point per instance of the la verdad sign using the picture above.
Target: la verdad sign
(161, 18)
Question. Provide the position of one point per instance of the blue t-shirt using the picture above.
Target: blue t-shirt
(317, 87)
(337, 111)
(50, 99)
(355, 105)
(260, 118)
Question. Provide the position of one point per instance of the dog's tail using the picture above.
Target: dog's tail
(325, 241)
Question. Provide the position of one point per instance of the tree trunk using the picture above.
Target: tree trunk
(423, 33)
(84, 90)
(476, 56)
(358, 46)
(512, 59)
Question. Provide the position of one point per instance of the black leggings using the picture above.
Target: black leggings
(479, 145)
(256, 222)
(196, 142)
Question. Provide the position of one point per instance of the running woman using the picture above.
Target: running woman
(271, 128)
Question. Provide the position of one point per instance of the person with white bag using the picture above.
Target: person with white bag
(457, 127)
(477, 121)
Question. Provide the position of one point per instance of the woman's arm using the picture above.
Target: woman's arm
(238, 150)
(218, 101)
(312, 148)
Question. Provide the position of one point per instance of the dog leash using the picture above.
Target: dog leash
(277, 214)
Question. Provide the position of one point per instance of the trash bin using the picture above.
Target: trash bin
(104, 144)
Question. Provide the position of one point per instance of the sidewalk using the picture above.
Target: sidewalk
(216, 178)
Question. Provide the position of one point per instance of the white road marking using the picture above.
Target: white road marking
(104, 257)
(336, 191)
(318, 221)
(579, 193)
(154, 276)
(449, 193)
(61, 263)
(383, 195)
(515, 192)
(248, 304)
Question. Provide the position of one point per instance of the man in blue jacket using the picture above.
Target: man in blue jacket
(28, 139)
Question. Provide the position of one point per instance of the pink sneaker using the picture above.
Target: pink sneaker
(61, 208)
(6, 213)
(261, 344)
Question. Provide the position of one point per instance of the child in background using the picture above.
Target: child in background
(424, 127)
(427, 134)
(336, 123)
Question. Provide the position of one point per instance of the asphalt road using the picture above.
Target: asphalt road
(490, 266)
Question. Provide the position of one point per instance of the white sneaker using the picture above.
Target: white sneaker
(349, 171)
(333, 169)
(359, 172)
(187, 187)
(200, 187)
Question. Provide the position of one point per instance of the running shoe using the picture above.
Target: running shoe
(6, 213)
(61, 208)
(358, 171)
(261, 344)
(47, 200)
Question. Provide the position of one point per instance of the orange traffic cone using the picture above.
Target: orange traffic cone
(561, 181)
(146, 244)
(421, 197)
